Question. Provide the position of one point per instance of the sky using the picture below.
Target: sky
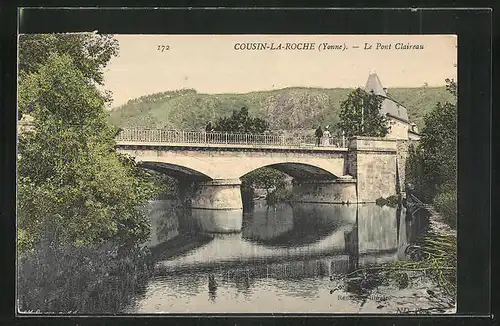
(211, 64)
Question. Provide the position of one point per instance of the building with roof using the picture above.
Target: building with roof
(396, 113)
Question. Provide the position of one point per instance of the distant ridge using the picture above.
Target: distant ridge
(291, 108)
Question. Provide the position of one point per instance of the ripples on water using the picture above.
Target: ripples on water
(282, 261)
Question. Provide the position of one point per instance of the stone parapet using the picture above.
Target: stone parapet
(372, 144)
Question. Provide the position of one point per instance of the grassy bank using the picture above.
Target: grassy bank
(84, 280)
(432, 258)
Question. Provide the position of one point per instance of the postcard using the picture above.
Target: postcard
(276, 174)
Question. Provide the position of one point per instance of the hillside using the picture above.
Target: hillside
(285, 109)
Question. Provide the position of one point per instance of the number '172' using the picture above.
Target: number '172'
(163, 48)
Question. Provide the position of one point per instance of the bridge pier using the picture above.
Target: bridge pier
(372, 161)
(217, 205)
(338, 191)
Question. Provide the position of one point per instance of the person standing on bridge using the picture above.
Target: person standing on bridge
(326, 136)
(209, 129)
(318, 134)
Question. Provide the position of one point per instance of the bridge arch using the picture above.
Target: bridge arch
(176, 171)
(299, 171)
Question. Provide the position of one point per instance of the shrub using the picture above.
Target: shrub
(283, 194)
(68, 279)
(380, 201)
(446, 204)
(391, 201)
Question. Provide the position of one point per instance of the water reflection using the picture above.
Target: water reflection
(164, 217)
(267, 222)
(284, 253)
(377, 228)
(297, 224)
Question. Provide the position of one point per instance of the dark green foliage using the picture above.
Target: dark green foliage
(415, 173)
(273, 181)
(264, 178)
(86, 280)
(280, 195)
(439, 143)
(360, 115)
(166, 187)
(69, 173)
(241, 122)
(285, 109)
(451, 87)
(380, 201)
(78, 218)
(446, 204)
(391, 201)
(432, 166)
(90, 52)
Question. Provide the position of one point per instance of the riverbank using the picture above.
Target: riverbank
(409, 286)
(437, 224)
(80, 280)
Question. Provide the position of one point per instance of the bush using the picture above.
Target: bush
(391, 201)
(68, 279)
(283, 194)
(446, 204)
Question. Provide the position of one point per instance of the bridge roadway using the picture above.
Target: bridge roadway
(209, 167)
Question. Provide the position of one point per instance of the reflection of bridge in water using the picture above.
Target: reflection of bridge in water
(209, 167)
(351, 237)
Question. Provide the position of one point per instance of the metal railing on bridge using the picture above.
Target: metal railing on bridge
(160, 136)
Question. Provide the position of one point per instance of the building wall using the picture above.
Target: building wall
(398, 130)
(413, 136)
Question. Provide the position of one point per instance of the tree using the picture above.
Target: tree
(273, 181)
(70, 178)
(264, 178)
(432, 165)
(241, 122)
(439, 144)
(90, 52)
(414, 171)
(360, 115)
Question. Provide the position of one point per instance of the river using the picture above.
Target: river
(285, 260)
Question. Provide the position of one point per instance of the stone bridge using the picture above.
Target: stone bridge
(357, 170)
